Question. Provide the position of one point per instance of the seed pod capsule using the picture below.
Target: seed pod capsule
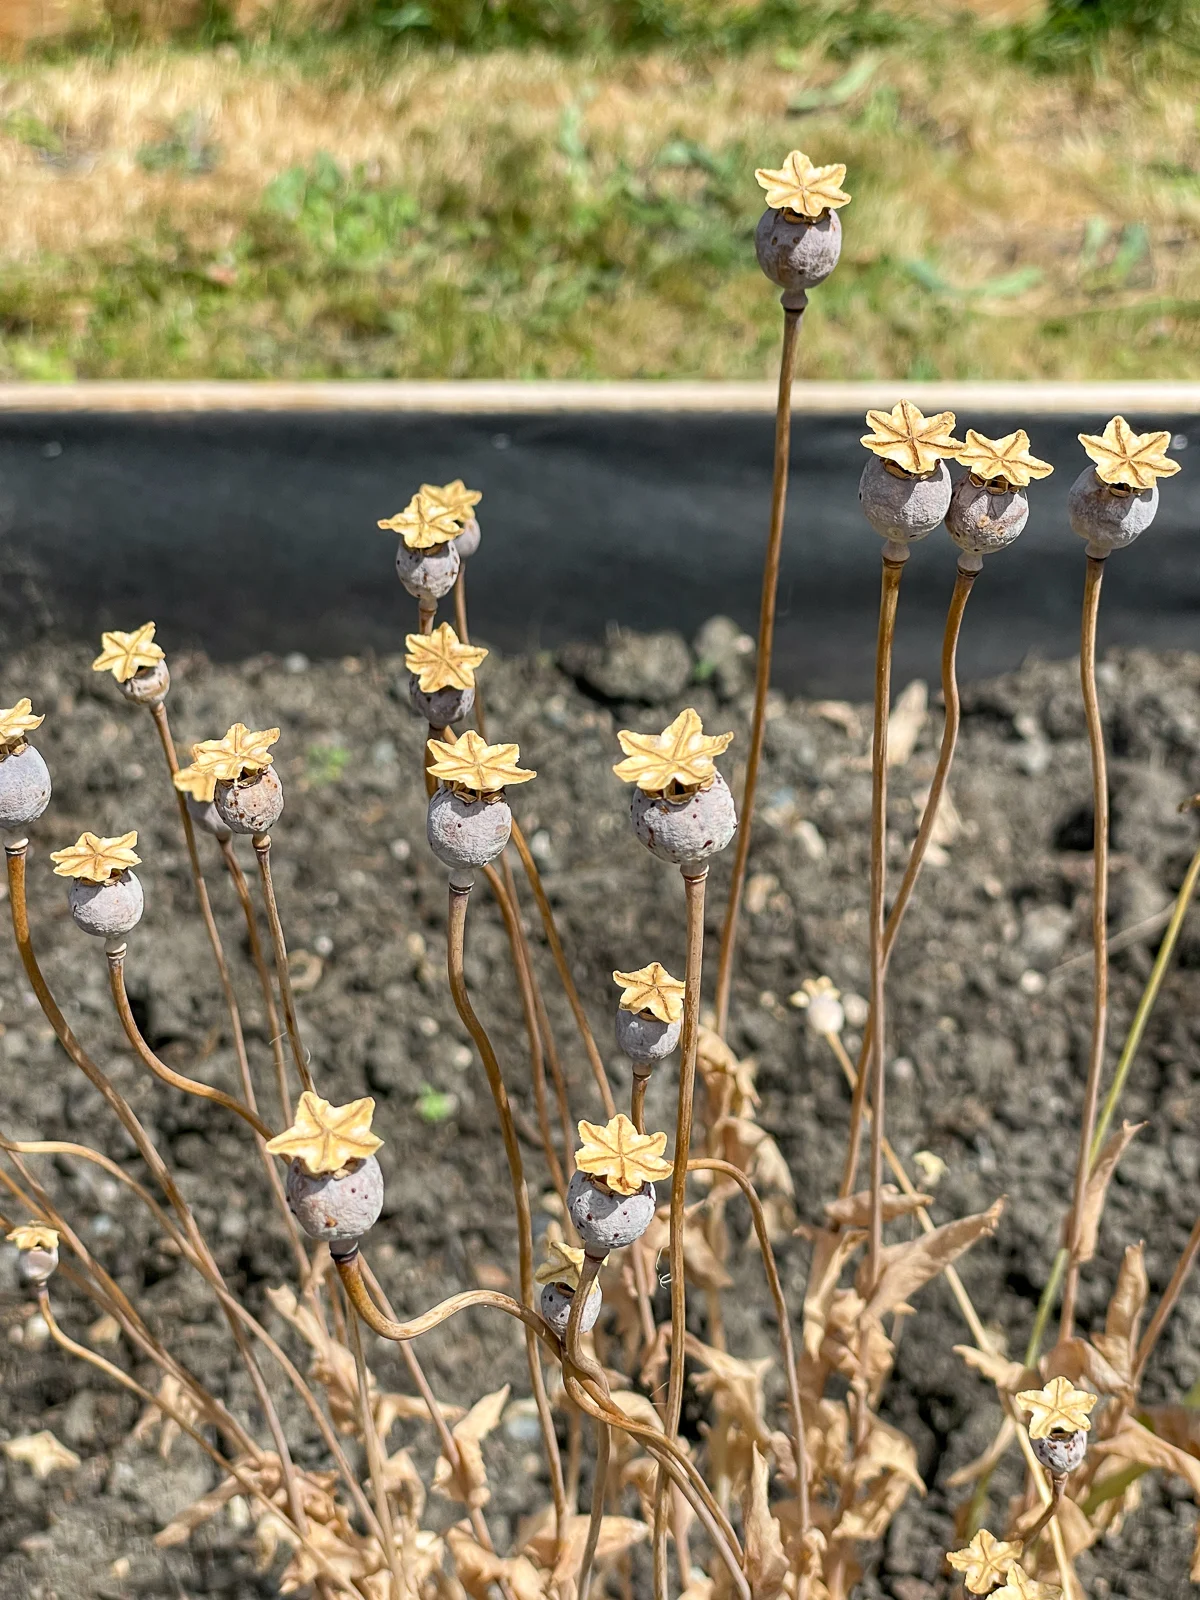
(107, 910)
(605, 1220)
(556, 1301)
(1060, 1453)
(252, 804)
(336, 1206)
(148, 685)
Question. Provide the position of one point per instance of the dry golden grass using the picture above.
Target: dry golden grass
(1004, 224)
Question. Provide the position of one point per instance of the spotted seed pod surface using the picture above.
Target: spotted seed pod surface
(1061, 1453)
(428, 574)
(336, 1207)
(981, 521)
(689, 829)
(605, 1220)
(24, 788)
(253, 806)
(466, 833)
(555, 1305)
(797, 254)
(468, 540)
(147, 686)
(903, 509)
(107, 910)
(1106, 520)
(440, 707)
(646, 1039)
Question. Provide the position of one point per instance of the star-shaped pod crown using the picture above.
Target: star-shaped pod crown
(984, 1562)
(651, 989)
(471, 766)
(1127, 459)
(15, 723)
(563, 1264)
(440, 660)
(95, 860)
(454, 498)
(623, 1157)
(679, 758)
(239, 754)
(423, 523)
(801, 188)
(125, 654)
(1020, 1586)
(33, 1236)
(909, 440)
(1007, 461)
(327, 1138)
(1058, 1408)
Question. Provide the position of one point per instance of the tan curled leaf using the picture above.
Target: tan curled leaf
(1118, 1343)
(1132, 1442)
(886, 1449)
(1080, 1361)
(41, 1453)
(1005, 1374)
(854, 1210)
(830, 1253)
(1097, 1190)
(700, 1261)
(766, 1562)
(905, 1268)
(478, 1569)
(471, 1486)
(1179, 1425)
(871, 1516)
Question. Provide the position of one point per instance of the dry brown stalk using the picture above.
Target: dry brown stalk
(262, 852)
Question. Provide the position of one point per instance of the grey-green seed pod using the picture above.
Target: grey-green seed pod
(440, 707)
(795, 252)
(468, 540)
(251, 805)
(336, 1206)
(24, 788)
(36, 1267)
(689, 829)
(984, 520)
(1061, 1452)
(428, 574)
(605, 1220)
(107, 910)
(898, 506)
(555, 1304)
(644, 1038)
(148, 685)
(1109, 517)
(466, 833)
(205, 815)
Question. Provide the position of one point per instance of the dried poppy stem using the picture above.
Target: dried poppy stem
(262, 851)
(1091, 1098)
(242, 889)
(455, 943)
(1167, 1304)
(383, 1509)
(762, 675)
(587, 1276)
(889, 595)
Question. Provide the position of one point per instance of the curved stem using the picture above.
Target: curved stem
(262, 851)
(762, 674)
(587, 1277)
(455, 945)
(1091, 1097)
(176, 1080)
(242, 889)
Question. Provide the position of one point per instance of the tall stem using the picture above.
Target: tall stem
(262, 851)
(383, 1509)
(889, 595)
(242, 889)
(587, 1276)
(762, 676)
(1167, 1304)
(1091, 1097)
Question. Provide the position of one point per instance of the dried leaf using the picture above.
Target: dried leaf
(1118, 1343)
(854, 1210)
(1007, 1375)
(886, 1449)
(700, 1262)
(1132, 1442)
(478, 1569)
(472, 1487)
(766, 1562)
(871, 1516)
(905, 722)
(1097, 1190)
(1078, 1360)
(907, 1267)
(830, 1253)
(41, 1453)
(989, 1459)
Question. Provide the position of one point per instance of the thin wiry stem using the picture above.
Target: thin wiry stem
(889, 595)
(383, 1509)
(262, 851)
(242, 889)
(1091, 1096)
(587, 1276)
(1167, 1304)
(762, 677)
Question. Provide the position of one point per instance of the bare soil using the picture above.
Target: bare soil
(987, 1045)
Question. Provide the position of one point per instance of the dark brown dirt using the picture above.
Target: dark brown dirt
(987, 1044)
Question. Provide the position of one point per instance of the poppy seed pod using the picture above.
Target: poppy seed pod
(336, 1206)
(428, 574)
(468, 540)
(605, 1220)
(1061, 1452)
(250, 805)
(440, 707)
(24, 788)
(36, 1267)
(555, 1304)
(466, 832)
(797, 252)
(1109, 516)
(148, 685)
(644, 1038)
(688, 828)
(900, 507)
(205, 815)
(107, 910)
(982, 519)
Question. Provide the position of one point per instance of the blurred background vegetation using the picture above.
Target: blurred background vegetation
(564, 188)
